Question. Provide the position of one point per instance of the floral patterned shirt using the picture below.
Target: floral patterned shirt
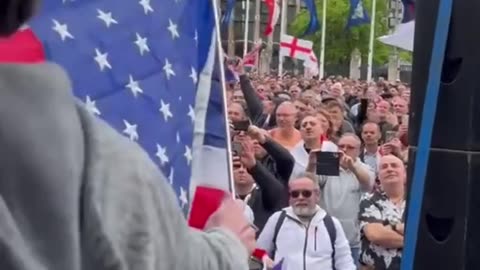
(377, 208)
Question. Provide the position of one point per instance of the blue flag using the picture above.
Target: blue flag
(357, 15)
(313, 25)
(148, 68)
(227, 14)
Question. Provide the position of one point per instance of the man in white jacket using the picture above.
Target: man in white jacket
(303, 235)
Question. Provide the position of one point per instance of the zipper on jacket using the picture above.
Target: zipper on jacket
(305, 247)
(315, 239)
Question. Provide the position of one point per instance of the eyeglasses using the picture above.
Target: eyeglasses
(305, 193)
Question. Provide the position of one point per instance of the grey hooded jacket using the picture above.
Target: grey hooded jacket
(76, 195)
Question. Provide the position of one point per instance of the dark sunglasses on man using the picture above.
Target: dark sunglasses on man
(305, 193)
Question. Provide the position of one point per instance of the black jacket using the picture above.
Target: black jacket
(268, 197)
(255, 105)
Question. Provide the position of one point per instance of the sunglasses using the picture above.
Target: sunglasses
(305, 193)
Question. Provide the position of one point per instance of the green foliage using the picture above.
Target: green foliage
(405, 56)
(340, 42)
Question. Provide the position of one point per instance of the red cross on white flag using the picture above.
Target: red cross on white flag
(311, 64)
(311, 61)
(295, 48)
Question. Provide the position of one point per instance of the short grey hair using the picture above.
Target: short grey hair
(352, 135)
(311, 176)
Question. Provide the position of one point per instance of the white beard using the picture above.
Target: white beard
(303, 211)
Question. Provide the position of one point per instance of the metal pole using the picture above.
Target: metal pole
(256, 32)
(321, 62)
(372, 38)
(224, 96)
(247, 23)
(283, 30)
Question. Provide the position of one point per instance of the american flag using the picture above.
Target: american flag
(138, 64)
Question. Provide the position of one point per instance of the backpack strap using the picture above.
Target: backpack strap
(280, 220)
(332, 233)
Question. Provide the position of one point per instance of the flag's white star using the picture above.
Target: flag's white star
(178, 137)
(165, 110)
(91, 106)
(173, 29)
(134, 86)
(130, 130)
(62, 30)
(194, 75)
(170, 176)
(188, 154)
(101, 59)
(168, 69)
(162, 154)
(147, 7)
(196, 37)
(183, 197)
(142, 44)
(191, 113)
(106, 17)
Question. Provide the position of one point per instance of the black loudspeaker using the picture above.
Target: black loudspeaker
(449, 228)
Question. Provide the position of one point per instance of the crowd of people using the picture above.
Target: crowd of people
(322, 165)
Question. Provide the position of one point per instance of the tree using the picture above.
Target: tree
(340, 42)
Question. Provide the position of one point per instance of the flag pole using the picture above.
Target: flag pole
(224, 96)
(283, 30)
(321, 61)
(247, 24)
(371, 42)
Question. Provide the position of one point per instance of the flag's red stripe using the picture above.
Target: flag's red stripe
(21, 47)
(205, 202)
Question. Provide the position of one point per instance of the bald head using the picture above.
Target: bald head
(286, 115)
(391, 171)
(286, 105)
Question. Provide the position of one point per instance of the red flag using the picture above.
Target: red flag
(205, 202)
(273, 15)
(251, 58)
(21, 47)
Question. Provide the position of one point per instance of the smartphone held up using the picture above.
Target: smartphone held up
(328, 163)
(241, 125)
